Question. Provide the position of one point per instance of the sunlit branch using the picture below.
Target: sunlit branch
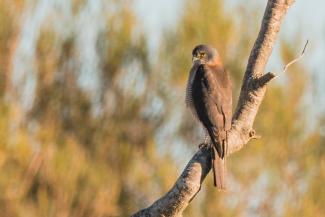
(252, 93)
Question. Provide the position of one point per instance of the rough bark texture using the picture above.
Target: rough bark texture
(251, 95)
(184, 190)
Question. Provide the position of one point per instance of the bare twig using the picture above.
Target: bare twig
(295, 60)
(266, 78)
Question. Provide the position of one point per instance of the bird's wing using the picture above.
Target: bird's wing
(207, 105)
(217, 104)
(220, 93)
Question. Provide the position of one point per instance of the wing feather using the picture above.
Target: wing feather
(220, 93)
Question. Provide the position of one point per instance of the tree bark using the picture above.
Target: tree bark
(251, 95)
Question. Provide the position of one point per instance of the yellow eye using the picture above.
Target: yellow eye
(202, 55)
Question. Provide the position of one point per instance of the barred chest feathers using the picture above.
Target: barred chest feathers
(189, 96)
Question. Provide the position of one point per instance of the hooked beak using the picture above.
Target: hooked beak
(197, 60)
(194, 58)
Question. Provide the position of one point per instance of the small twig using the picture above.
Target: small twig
(266, 78)
(295, 60)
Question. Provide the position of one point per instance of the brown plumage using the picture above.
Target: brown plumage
(209, 96)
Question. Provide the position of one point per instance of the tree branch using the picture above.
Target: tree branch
(184, 190)
(251, 95)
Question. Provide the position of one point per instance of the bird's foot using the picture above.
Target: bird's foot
(203, 145)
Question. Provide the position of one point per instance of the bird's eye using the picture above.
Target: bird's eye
(202, 55)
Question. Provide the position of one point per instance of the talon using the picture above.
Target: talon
(203, 145)
(252, 134)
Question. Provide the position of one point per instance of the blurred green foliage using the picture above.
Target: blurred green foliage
(70, 156)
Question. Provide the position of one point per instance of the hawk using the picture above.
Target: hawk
(209, 97)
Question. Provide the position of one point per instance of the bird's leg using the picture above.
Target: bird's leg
(206, 138)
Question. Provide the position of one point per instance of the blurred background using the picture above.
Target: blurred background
(92, 114)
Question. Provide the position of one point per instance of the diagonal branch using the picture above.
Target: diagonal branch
(184, 190)
(251, 96)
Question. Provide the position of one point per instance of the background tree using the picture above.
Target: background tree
(110, 152)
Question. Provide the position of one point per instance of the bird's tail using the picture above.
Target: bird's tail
(219, 169)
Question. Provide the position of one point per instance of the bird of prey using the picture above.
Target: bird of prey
(209, 97)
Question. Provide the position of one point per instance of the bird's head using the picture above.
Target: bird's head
(205, 54)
